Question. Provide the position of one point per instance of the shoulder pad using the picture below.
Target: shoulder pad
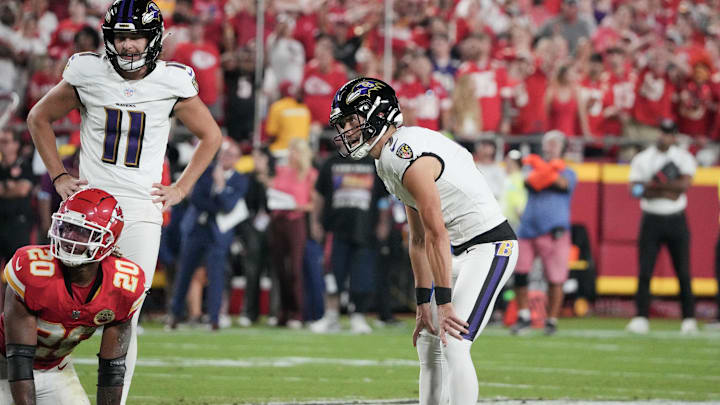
(81, 67)
(31, 266)
(182, 79)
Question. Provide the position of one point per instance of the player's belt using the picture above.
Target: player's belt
(500, 233)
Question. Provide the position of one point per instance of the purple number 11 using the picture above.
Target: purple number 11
(113, 123)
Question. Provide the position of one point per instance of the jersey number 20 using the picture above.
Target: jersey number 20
(113, 123)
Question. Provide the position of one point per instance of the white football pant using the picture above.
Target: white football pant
(57, 386)
(447, 374)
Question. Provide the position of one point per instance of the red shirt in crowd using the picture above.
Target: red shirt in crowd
(562, 115)
(593, 94)
(205, 60)
(693, 108)
(489, 82)
(621, 95)
(62, 38)
(653, 98)
(427, 102)
(527, 100)
(40, 84)
(319, 88)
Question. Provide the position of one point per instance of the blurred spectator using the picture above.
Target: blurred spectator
(46, 20)
(489, 80)
(253, 234)
(545, 229)
(568, 25)
(204, 58)
(696, 100)
(660, 175)
(423, 100)
(444, 65)
(289, 200)
(715, 325)
(239, 68)
(561, 101)
(288, 118)
(48, 199)
(62, 38)
(346, 205)
(465, 117)
(485, 152)
(347, 42)
(323, 76)
(514, 195)
(286, 55)
(620, 97)
(592, 94)
(528, 82)
(86, 39)
(653, 99)
(242, 18)
(16, 183)
(207, 229)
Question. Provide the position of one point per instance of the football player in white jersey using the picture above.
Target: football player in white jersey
(448, 203)
(126, 98)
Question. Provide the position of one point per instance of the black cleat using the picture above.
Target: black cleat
(550, 327)
(521, 327)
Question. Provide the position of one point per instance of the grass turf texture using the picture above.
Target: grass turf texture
(589, 359)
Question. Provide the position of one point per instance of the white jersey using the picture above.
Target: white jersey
(125, 127)
(468, 206)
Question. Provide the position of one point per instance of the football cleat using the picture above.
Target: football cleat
(639, 325)
(689, 326)
(359, 325)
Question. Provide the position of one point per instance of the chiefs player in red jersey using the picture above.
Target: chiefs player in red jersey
(57, 296)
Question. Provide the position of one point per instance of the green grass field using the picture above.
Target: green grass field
(589, 359)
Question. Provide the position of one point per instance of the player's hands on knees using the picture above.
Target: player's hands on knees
(167, 195)
(68, 185)
(423, 320)
(450, 323)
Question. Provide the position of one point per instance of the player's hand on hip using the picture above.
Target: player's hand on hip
(67, 185)
(423, 320)
(167, 195)
(450, 323)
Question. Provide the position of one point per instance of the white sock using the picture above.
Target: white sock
(131, 357)
(332, 314)
(463, 383)
(433, 370)
(524, 314)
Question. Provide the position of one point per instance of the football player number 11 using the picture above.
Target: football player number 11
(113, 123)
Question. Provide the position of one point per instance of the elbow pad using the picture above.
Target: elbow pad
(111, 372)
(20, 361)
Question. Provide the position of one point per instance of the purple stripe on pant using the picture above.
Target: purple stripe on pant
(476, 317)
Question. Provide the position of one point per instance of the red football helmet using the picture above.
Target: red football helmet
(86, 227)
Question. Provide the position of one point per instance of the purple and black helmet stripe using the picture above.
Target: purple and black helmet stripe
(490, 286)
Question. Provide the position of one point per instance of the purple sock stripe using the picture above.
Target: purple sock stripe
(497, 268)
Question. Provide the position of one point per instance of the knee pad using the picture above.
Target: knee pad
(521, 280)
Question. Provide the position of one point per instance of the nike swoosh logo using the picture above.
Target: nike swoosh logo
(17, 264)
(63, 367)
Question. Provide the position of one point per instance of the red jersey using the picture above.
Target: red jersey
(64, 35)
(593, 94)
(427, 102)
(563, 115)
(621, 95)
(40, 84)
(64, 315)
(319, 89)
(653, 98)
(527, 99)
(693, 108)
(489, 83)
(205, 60)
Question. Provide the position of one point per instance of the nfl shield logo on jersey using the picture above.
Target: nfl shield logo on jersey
(129, 92)
(404, 152)
(104, 316)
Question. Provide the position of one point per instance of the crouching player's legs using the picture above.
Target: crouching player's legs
(57, 386)
(139, 242)
(479, 275)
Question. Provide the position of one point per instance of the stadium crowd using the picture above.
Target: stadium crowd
(605, 73)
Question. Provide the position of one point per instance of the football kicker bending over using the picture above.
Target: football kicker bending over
(126, 98)
(57, 295)
(448, 203)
